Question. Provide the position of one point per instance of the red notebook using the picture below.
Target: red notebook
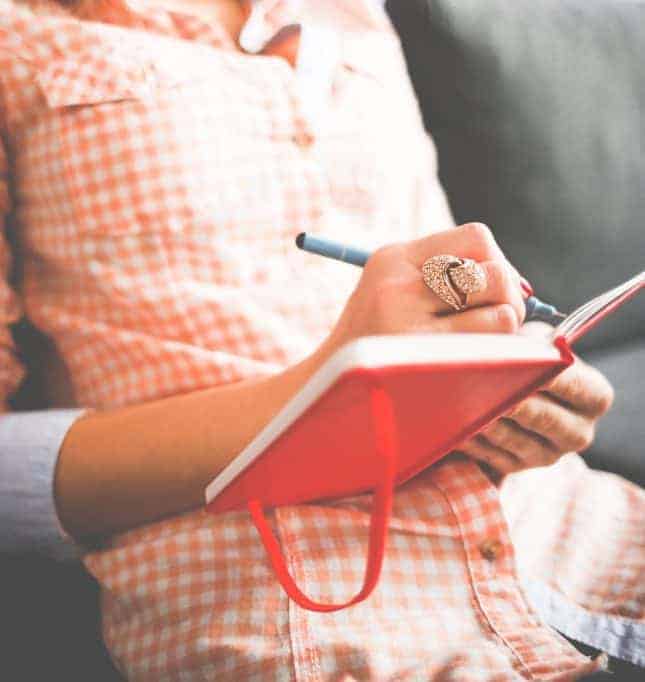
(381, 410)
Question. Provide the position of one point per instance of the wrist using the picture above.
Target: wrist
(68, 475)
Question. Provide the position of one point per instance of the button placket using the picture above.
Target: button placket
(491, 563)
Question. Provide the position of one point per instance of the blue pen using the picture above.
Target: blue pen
(535, 309)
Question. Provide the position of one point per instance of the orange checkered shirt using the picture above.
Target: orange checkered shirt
(155, 177)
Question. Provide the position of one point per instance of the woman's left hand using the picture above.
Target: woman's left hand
(560, 418)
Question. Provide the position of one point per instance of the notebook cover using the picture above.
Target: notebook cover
(328, 451)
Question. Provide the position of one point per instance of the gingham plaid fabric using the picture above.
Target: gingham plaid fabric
(155, 179)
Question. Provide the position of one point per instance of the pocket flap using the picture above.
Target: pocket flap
(369, 53)
(77, 81)
(68, 82)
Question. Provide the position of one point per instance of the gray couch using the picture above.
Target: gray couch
(537, 111)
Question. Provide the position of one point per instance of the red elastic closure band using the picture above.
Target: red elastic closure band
(387, 449)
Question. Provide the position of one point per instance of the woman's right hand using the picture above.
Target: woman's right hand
(392, 298)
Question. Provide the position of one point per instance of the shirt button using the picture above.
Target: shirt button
(491, 549)
(303, 139)
(148, 76)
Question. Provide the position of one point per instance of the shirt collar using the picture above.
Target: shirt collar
(266, 19)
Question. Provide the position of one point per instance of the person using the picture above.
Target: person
(154, 175)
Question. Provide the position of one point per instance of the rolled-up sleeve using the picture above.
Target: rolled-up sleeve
(29, 446)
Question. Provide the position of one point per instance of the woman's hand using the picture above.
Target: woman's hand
(392, 297)
(560, 418)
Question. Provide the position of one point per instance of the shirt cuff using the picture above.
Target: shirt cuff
(30, 443)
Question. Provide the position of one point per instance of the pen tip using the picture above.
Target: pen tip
(300, 240)
(560, 316)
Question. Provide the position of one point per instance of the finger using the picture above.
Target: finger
(537, 329)
(567, 431)
(583, 389)
(473, 240)
(498, 319)
(501, 287)
(529, 447)
(525, 285)
(480, 449)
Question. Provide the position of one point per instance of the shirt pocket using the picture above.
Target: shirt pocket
(368, 54)
(129, 135)
(371, 75)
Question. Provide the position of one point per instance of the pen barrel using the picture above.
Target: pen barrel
(341, 252)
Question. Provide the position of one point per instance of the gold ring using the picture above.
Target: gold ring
(453, 279)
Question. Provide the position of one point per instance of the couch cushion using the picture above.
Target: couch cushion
(538, 111)
(50, 622)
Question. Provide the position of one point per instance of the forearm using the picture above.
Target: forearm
(120, 468)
